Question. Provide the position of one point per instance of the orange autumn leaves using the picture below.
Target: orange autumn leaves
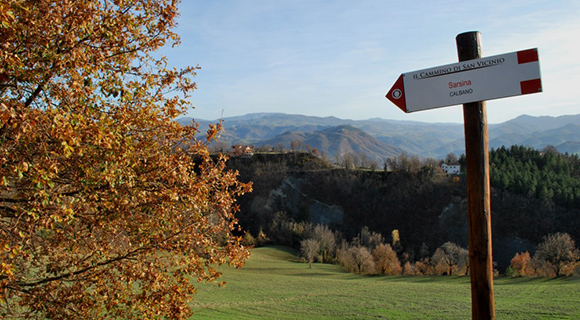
(108, 207)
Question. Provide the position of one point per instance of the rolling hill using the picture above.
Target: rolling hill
(337, 142)
(380, 138)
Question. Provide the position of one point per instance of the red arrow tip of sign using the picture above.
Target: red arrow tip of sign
(397, 94)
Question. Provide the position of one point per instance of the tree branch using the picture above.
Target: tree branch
(81, 271)
(34, 95)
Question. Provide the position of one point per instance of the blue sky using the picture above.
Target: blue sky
(339, 58)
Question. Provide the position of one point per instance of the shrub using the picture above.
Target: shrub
(262, 239)
(409, 269)
(521, 265)
(423, 267)
(249, 239)
(571, 270)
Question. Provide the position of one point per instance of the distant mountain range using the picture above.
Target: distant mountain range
(379, 139)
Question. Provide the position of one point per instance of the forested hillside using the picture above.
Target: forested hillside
(546, 175)
(426, 207)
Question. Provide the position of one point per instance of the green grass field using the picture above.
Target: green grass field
(274, 285)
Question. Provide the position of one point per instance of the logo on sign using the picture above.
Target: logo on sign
(397, 93)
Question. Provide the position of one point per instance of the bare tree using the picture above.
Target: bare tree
(556, 250)
(349, 161)
(309, 249)
(363, 260)
(326, 240)
(404, 162)
(550, 149)
(355, 258)
(459, 257)
(451, 158)
(450, 259)
(368, 238)
(441, 262)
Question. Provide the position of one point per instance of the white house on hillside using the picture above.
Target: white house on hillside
(242, 151)
(451, 168)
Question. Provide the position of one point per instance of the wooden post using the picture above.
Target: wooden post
(478, 191)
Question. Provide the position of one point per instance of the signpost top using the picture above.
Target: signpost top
(499, 76)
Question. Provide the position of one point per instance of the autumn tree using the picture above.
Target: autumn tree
(450, 259)
(555, 252)
(109, 209)
(409, 269)
(521, 265)
(386, 260)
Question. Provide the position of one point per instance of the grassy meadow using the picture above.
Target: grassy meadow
(275, 285)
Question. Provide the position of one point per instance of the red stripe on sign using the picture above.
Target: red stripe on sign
(531, 86)
(527, 56)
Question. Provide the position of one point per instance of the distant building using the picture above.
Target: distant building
(451, 168)
(241, 151)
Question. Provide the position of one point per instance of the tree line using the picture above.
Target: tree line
(412, 196)
(370, 253)
(556, 255)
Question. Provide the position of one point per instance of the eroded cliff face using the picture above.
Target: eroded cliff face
(453, 223)
(289, 198)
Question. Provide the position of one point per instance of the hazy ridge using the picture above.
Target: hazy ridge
(381, 138)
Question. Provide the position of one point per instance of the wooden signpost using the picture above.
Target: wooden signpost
(470, 82)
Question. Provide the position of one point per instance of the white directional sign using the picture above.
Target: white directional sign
(500, 76)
